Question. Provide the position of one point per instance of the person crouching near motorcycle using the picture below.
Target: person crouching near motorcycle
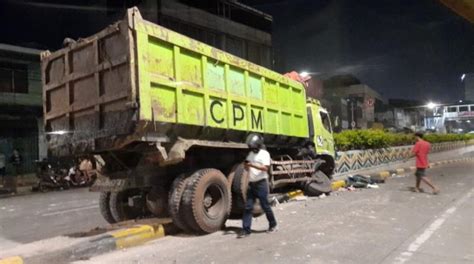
(85, 167)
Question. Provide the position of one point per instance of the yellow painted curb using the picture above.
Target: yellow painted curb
(137, 235)
(338, 184)
(384, 174)
(12, 260)
(400, 171)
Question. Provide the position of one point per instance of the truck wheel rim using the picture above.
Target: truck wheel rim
(213, 201)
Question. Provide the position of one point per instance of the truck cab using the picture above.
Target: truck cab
(320, 133)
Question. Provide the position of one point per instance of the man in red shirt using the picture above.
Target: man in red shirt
(421, 150)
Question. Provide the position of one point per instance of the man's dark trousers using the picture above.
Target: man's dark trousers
(257, 190)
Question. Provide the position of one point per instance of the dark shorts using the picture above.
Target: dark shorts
(420, 172)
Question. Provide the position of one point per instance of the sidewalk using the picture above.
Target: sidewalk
(24, 186)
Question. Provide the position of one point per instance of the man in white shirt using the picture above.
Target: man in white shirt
(257, 164)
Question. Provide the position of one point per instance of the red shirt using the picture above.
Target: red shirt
(421, 150)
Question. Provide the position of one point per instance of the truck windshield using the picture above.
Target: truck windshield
(326, 122)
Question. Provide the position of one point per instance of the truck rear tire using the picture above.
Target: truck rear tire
(174, 202)
(321, 184)
(206, 201)
(104, 206)
(239, 187)
(120, 208)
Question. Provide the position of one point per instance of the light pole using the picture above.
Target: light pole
(352, 101)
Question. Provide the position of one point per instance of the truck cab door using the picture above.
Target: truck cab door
(321, 130)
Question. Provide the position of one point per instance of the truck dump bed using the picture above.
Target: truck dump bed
(137, 81)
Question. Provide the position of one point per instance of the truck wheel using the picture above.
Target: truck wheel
(121, 209)
(230, 180)
(206, 201)
(239, 188)
(321, 184)
(104, 207)
(174, 202)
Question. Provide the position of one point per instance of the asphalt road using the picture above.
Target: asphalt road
(38, 216)
(383, 225)
(386, 225)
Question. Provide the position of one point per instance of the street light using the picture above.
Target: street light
(58, 132)
(431, 105)
(304, 74)
(463, 76)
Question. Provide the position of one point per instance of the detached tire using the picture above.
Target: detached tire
(119, 207)
(239, 187)
(206, 201)
(104, 206)
(321, 184)
(174, 202)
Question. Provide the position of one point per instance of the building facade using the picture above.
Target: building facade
(453, 118)
(227, 25)
(351, 103)
(21, 125)
(224, 24)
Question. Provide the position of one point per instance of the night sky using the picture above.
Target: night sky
(402, 48)
(413, 49)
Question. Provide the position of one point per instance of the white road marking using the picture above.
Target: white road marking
(71, 210)
(428, 232)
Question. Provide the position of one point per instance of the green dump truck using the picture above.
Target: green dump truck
(166, 118)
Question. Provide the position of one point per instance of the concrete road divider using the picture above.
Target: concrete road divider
(120, 239)
(383, 175)
(99, 244)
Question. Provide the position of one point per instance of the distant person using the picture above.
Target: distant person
(257, 164)
(420, 151)
(2, 167)
(16, 160)
(85, 167)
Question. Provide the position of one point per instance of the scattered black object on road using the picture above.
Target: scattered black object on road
(359, 181)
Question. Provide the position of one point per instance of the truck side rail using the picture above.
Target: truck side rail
(291, 171)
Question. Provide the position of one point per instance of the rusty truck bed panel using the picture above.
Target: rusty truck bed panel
(89, 89)
(135, 80)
